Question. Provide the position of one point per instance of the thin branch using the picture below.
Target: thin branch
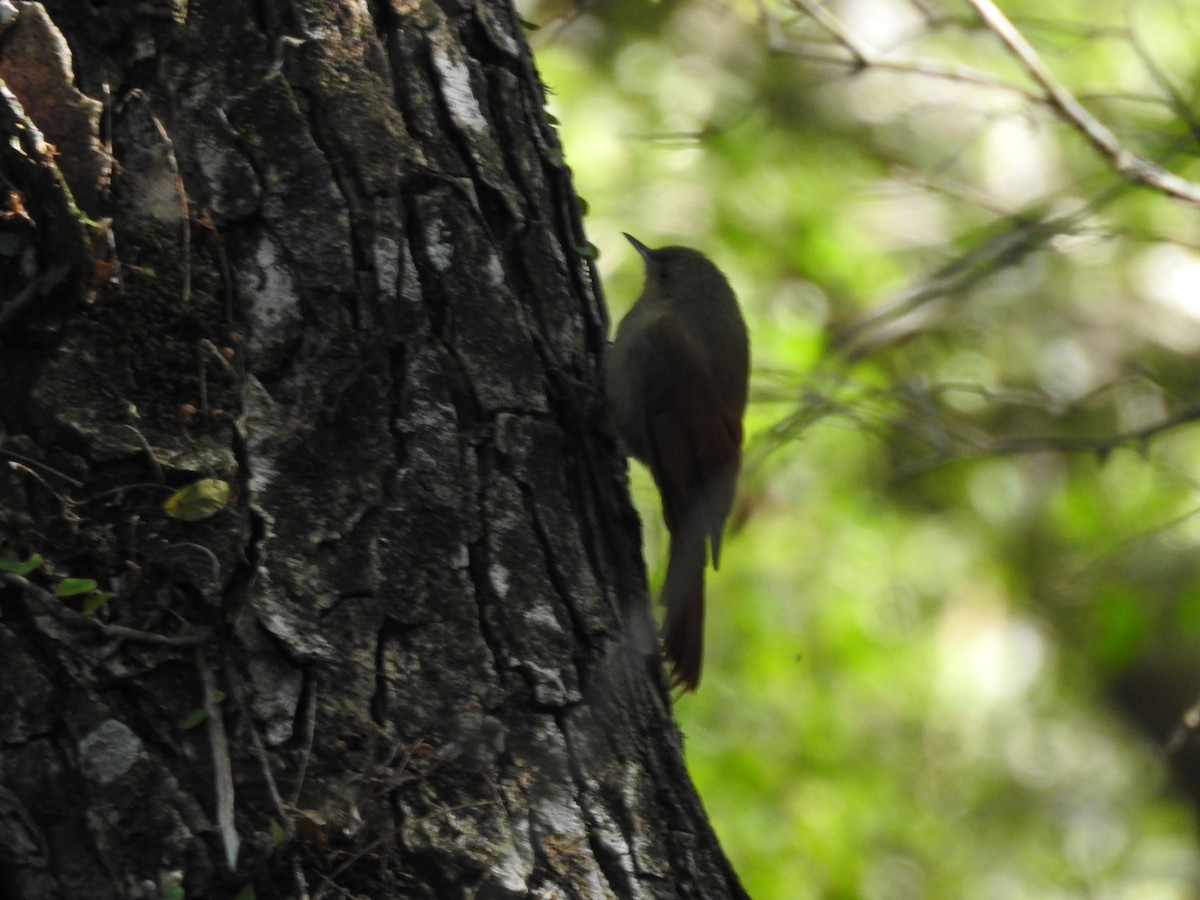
(222, 765)
(204, 350)
(1100, 446)
(1130, 165)
(881, 327)
(64, 501)
(863, 55)
(62, 613)
(309, 735)
(260, 750)
(859, 55)
(959, 446)
(154, 463)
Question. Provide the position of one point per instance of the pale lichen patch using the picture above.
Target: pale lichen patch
(460, 99)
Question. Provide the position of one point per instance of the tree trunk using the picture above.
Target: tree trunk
(394, 640)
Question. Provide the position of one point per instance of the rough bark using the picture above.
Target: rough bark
(340, 268)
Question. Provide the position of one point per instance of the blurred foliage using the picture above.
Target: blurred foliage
(960, 621)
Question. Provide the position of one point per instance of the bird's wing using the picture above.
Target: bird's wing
(695, 443)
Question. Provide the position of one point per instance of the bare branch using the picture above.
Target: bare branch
(904, 315)
(222, 764)
(1100, 446)
(1130, 165)
(863, 55)
(55, 607)
(858, 55)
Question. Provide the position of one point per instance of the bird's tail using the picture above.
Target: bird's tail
(683, 597)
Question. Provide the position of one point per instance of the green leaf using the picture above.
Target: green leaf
(194, 718)
(72, 587)
(552, 118)
(10, 563)
(246, 893)
(97, 600)
(527, 25)
(278, 834)
(173, 892)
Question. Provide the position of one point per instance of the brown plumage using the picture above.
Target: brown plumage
(678, 376)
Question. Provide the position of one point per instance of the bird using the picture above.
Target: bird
(677, 381)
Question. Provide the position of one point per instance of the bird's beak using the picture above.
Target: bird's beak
(638, 246)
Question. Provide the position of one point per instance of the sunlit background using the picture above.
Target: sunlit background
(959, 621)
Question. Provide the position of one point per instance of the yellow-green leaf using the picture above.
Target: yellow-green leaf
(198, 500)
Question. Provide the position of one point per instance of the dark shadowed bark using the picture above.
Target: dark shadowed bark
(399, 644)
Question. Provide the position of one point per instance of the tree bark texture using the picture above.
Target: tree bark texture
(338, 267)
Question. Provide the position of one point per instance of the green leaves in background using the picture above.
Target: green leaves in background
(968, 518)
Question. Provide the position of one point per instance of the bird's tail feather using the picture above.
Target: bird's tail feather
(683, 597)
